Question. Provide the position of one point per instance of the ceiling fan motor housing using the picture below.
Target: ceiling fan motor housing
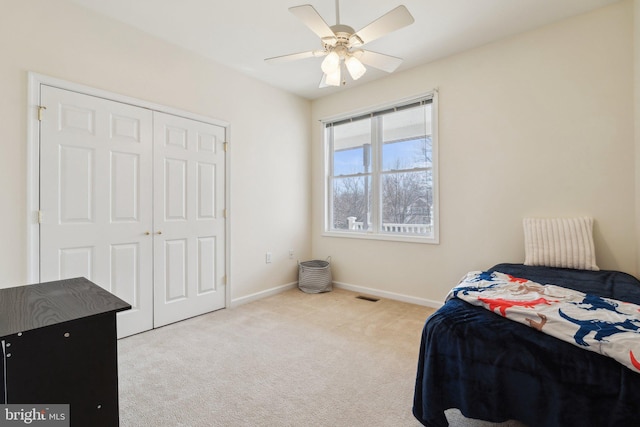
(339, 28)
(343, 41)
(346, 36)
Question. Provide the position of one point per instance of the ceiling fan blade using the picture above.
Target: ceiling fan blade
(380, 61)
(323, 82)
(387, 23)
(295, 56)
(312, 19)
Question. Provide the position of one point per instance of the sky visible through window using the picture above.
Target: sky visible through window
(407, 154)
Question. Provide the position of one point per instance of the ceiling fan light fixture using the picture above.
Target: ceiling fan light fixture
(331, 63)
(355, 67)
(333, 79)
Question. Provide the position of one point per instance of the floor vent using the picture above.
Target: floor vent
(367, 298)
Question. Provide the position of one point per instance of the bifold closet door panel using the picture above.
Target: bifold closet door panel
(189, 240)
(96, 198)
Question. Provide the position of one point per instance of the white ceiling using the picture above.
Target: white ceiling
(242, 33)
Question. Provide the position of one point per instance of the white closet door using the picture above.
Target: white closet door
(189, 224)
(96, 198)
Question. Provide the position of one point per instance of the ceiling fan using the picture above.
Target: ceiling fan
(341, 44)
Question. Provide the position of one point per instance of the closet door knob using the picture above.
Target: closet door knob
(146, 233)
(159, 232)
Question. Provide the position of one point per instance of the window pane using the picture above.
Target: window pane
(406, 138)
(408, 154)
(351, 203)
(410, 123)
(407, 203)
(352, 147)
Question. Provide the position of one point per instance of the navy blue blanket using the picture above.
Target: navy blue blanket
(495, 369)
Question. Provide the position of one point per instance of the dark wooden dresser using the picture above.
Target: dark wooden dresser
(59, 347)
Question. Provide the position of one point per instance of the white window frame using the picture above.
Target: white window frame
(328, 167)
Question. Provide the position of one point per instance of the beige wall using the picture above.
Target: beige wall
(269, 168)
(540, 124)
(636, 73)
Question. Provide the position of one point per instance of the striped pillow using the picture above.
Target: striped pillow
(560, 242)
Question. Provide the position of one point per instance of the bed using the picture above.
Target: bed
(495, 369)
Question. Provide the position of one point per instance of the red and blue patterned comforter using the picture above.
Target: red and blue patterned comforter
(495, 369)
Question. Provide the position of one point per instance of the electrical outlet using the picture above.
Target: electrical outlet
(267, 258)
(290, 253)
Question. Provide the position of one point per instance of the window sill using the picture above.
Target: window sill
(385, 237)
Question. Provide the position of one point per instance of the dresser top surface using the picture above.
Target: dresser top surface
(29, 307)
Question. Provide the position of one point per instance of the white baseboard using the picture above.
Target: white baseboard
(354, 288)
(389, 295)
(262, 294)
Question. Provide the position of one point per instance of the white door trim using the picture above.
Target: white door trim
(35, 80)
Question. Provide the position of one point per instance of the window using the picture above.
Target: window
(381, 179)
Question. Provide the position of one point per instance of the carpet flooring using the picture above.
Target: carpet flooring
(293, 359)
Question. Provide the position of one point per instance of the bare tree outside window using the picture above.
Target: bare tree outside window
(407, 196)
(349, 201)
